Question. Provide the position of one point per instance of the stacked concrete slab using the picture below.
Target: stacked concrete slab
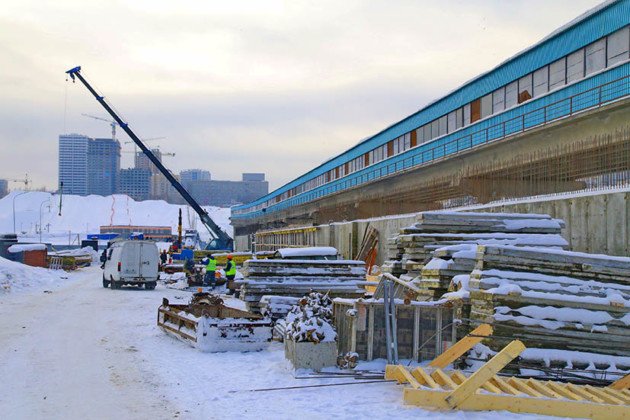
(296, 278)
(552, 298)
(451, 238)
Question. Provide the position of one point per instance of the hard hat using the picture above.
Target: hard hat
(229, 257)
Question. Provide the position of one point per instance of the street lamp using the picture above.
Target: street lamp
(40, 217)
(14, 197)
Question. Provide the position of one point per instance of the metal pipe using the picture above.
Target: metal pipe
(14, 197)
(388, 337)
(392, 317)
(40, 218)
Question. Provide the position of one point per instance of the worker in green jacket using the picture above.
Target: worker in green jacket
(211, 268)
(230, 273)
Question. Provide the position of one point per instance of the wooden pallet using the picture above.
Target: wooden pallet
(437, 388)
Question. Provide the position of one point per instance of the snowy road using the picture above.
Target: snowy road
(70, 353)
(86, 352)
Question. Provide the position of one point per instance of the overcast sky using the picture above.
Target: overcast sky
(244, 86)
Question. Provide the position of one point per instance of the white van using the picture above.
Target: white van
(131, 262)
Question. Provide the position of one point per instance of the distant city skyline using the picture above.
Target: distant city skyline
(245, 86)
(90, 166)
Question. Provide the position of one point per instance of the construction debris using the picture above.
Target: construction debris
(310, 320)
(433, 387)
(207, 324)
(368, 249)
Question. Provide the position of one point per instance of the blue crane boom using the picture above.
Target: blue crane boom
(221, 240)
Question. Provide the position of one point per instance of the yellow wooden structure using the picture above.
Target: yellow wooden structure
(433, 387)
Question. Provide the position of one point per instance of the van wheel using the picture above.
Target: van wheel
(149, 286)
(105, 283)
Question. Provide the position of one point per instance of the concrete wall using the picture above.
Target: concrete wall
(595, 223)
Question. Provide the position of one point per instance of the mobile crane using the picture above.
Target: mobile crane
(220, 240)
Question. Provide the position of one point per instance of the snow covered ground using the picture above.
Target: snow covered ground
(80, 351)
(82, 215)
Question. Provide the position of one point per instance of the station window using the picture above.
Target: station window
(618, 46)
(459, 118)
(486, 106)
(420, 135)
(511, 95)
(407, 141)
(427, 132)
(498, 100)
(442, 126)
(524, 88)
(595, 56)
(466, 116)
(451, 122)
(575, 66)
(557, 73)
(435, 129)
(541, 81)
(475, 110)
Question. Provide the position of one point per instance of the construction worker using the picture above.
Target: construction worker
(163, 259)
(211, 268)
(230, 273)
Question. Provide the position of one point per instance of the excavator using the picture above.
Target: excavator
(220, 241)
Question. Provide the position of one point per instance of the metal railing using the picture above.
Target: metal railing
(438, 149)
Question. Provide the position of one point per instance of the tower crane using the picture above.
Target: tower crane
(111, 122)
(221, 240)
(170, 154)
(146, 140)
(135, 146)
(25, 181)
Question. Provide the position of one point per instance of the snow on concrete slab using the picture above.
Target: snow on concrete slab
(568, 254)
(315, 251)
(438, 264)
(313, 262)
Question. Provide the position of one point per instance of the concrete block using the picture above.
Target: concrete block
(597, 229)
(616, 224)
(579, 224)
(307, 355)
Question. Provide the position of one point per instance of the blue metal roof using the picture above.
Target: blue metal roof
(592, 25)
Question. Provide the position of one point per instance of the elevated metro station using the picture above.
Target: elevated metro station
(551, 119)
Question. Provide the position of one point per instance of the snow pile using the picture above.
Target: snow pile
(16, 277)
(311, 320)
(26, 247)
(82, 215)
(460, 283)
